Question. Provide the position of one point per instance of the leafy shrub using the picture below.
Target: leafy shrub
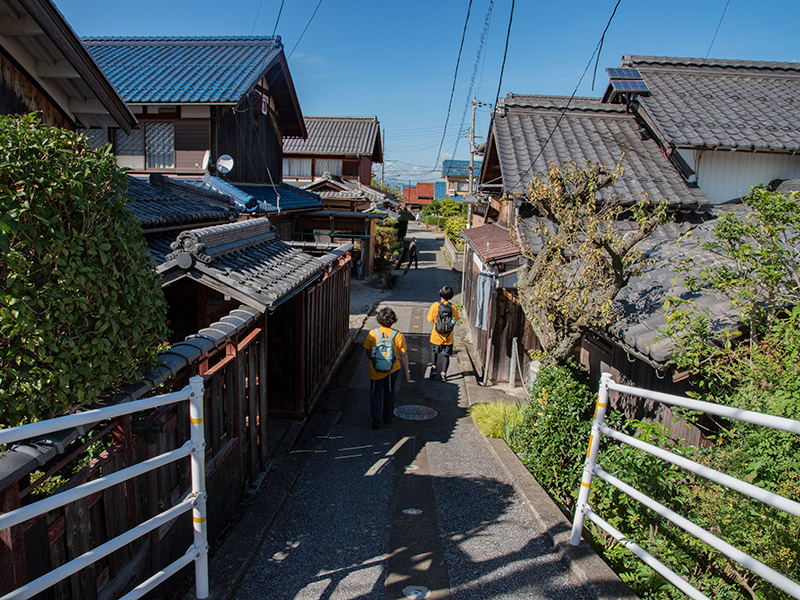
(387, 244)
(554, 433)
(402, 227)
(82, 308)
(497, 419)
(453, 227)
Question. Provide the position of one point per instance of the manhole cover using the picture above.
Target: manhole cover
(416, 592)
(412, 511)
(415, 412)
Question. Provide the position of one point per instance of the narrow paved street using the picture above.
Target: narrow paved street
(418, 505)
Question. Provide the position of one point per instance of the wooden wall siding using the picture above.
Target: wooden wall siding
(251, 139)
(327, 318)
(192, 139)
(236, 404)
(19, 95)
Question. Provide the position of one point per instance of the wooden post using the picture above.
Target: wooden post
(252, 396)
(13, 570)
(263, 422)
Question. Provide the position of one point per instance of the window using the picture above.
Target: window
(297, 167)
(97, 138)
(160, 145)
(152, 147)
(324, 165)
(463, 186)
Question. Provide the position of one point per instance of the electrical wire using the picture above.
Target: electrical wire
(487, 20)
(564, 110)
(505, 54)
(453, 89)
(305, 29)
(718, 26)
(280, 11)
(258, 12)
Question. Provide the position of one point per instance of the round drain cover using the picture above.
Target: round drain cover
(416, 592)
(412, 511)
(415, 412)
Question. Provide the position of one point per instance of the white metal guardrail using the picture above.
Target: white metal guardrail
(196, 501)
(591, 468)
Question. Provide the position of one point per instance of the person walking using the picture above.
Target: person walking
(444, 316)
(412, 255)
(387, 352)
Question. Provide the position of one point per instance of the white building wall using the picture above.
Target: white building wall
(724, 175)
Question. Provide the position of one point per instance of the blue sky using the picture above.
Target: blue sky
(396, 60)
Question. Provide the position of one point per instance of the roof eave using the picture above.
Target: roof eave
(290, 128)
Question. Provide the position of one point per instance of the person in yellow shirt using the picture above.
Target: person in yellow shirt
(387, 352)
(444, 316)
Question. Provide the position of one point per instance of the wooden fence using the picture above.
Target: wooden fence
(231, 356)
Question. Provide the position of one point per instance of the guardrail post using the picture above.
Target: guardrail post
(199, 486)
(512, 370)
(591, 459)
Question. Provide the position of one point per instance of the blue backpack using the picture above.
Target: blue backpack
(383, 352)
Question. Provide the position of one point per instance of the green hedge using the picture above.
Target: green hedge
(81, 308)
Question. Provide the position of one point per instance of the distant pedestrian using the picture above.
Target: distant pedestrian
(443, 315)
(387, 352)
(412, 255)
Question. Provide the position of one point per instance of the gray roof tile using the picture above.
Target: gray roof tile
(348, 136)
(588, 130)
(248, 259)
(711, 103)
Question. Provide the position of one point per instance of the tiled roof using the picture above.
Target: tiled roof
(588, 130)
(183, 69)
(491, 242)
(159, 202)
(334, 186)
(245, 259)
(459, 168)
(709, 103)
(641, 303)
(348, 136)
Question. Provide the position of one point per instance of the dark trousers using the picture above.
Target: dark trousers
(412, 258)
(381, 397)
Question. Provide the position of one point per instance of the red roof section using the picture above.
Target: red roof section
(491, 242)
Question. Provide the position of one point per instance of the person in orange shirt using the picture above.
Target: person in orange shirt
(444, 316)
(387, 352)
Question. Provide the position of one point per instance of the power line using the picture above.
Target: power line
(280, 11)
(258, 11)
(718, 26)
(487, 19)
(505, 53)
(453, 89)
(564, 111)
(306, 28)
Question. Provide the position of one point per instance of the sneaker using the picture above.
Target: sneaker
(433, 373)
(376, 423)
(444, 377)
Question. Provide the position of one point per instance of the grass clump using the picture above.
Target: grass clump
(497, 419)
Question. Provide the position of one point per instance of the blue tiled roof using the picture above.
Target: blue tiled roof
(291, 198)
(459, 168)
(183, 69)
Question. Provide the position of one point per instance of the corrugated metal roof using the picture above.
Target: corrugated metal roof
(183, 69)
(491, 242)
(588, 130)
(459, 168)
(246, 259)
(281, 197)
(348, 136)
(711, 103)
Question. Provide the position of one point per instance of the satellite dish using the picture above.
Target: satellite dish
(224, 163)
(204, 162)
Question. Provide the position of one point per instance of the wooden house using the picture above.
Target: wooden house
(344, 146)
(240, 102)
(45, 68)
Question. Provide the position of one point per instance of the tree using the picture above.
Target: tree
(588, 253)
(388, 188)
(81, 308)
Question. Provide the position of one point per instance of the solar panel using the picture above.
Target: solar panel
(629, 85)
(621, 73)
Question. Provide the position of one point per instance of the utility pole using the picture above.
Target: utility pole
(472, 159)
(383, 147)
